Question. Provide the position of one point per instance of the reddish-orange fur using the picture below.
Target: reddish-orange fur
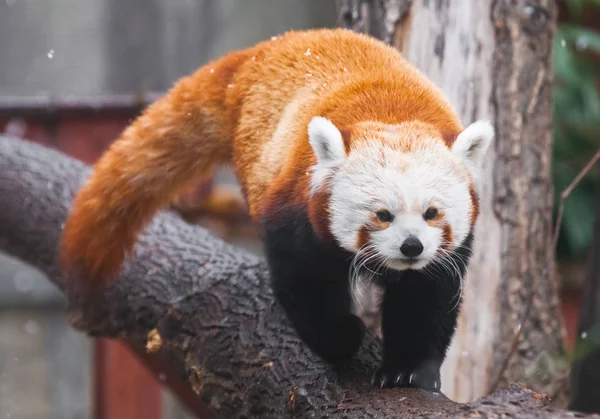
(228, 111)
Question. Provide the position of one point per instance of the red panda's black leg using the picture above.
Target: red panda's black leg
(417, 327)
(310, 281)
(420, 311)
(326, 327)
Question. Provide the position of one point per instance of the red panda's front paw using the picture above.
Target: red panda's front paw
(426, 378)
(389, 377)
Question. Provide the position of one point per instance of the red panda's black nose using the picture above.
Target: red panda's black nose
(412, 247)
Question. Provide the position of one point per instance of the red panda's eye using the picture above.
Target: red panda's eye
(430, 214)
(385, 216)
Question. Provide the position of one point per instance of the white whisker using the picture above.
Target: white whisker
(356, 272)
(450, 264)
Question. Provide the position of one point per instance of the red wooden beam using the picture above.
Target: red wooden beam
(123, 386)
(170, 378)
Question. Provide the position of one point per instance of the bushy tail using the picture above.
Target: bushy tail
(165, 148)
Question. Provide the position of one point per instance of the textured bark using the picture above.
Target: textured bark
(522, 201)
(585, 373)
(206, 308)
(493, 58)
(377, 18)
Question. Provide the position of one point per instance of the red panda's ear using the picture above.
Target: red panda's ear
(326, 141)
(472, 144)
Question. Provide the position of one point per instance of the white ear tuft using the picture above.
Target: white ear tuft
(473, 142)
(326, 141)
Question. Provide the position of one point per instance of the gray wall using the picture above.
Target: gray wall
(44, 364)
(115, 46)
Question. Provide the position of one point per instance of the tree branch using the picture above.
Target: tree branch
(209, 311)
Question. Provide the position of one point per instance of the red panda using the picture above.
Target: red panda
(355, 168)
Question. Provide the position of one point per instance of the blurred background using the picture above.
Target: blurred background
(73, 73)
(576, 122)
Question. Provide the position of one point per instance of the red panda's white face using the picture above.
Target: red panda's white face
(400, 207)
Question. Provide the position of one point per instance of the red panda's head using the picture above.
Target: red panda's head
(401, 194)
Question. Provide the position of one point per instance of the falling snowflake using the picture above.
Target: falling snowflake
(581, 44)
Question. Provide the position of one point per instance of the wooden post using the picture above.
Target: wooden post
(123, 386)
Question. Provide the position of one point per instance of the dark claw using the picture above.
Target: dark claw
(385, 377)
(425, 378)
(379, 379)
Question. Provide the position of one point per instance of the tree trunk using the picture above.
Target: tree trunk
(207, 309)
(585, 374)
(493, 58)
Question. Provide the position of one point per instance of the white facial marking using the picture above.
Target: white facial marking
(328, 146)
(377, 177)
(472, 144)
